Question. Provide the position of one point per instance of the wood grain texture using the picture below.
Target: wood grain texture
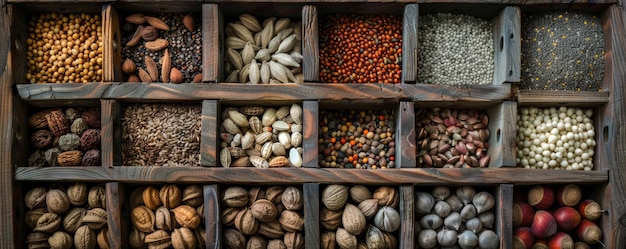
(111, 133)
(209, 144)
(407, 211)
(310, 134)
(137, 174)
(18, 27)
(71, 94)
(112, 51)
(310, 44)
(406, 136)
(212, 216)
(409, 43)
(507, 44)
(311, 193)
(616, 24)
(10, 229)
(504, 215)
(503, 131)
(212, 50)
(540, 98)
(114, 193)
(336, 93)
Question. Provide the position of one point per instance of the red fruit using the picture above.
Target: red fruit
(567, 218)
(589, 232)
(561, 240)
(522, 238)
(522, 214)
(541, 197)
(543, 225)
(590, 209)
(568, 195)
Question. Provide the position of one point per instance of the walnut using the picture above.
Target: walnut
(41, 139)
(73, 219)
(57, 201)
(102, 238)
(327, 240)
(57, 123)
(229, 215)
(136, 239)
(77, 193)
(163, 219)
(200, 237)
(60, 239)
(33, 215)
(254, 194)
(183, 238)
(37, 159)
(233, 239)
(186, 216)
(369, 207)
(353, 219)
(292, 198)
(256, 242)
(143, 218)
(235, 197)
(294, 240)
(170, 196)
(91, 158)
(90, 139)
(96, 197)
(330, 219)
(84, 238)
(291, 221)
(271, 229)
(79, 126)
(246, 223)
(135, 198)
(36, 198)
(387, 196)
(37, 240)
(92, 118)
(69, 141)
(158, 239)
(51, 156)
(193, 195)
(95, 219)
(274, 194)
(264, 210)
(151, 198)
(70, 158)
(335, 196)
(276, 244)
(48, 223)
(149, 33)
(38, 120)
(359, 193)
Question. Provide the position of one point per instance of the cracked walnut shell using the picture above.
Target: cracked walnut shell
(193, 195)
(186, 216)
(170, 196)
(387, 196)
(36, 198)
(97, 197)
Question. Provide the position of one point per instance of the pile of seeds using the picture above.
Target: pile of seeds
(449, 138)
(562, 50)
(184, 46)
(455, 49)
(161, 135)
(261, 137)
(360, 48)
(555, 138)
(64, 48)
(263, 53)
(357, 139)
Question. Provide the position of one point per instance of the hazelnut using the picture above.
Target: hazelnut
(129, 66)
(149, 33)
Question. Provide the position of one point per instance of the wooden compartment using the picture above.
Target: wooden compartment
(600, 193)
(503, 195)
(501, 131)
(20, 14)
(506, 34)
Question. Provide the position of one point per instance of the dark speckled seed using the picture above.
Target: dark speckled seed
(562, 50)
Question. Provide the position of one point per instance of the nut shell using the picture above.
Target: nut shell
(57, 201)
(353, 219)
(92, 118)
(90, 139)
(271, 229)
(345, 239)
(246, 222)
(60, 240)
(186, 216)
(97, 197)
(57, 123)
(143, 218)
(70, 158)
(387, 219)
(36, 198)
(233, 239)
(38, 120)
(183, 238)
(95, 219)
(77, 193)
(151, 198)
(292, 198)
(85, 238)
(264, 210)
(359, 193)
(294, 240)
(170, 196)
(73, 219)
(387, 196)
(149, 33)
(41, 139)
(158, 240)
(235, 197)
(192, 195)
(335, 196)
(330, 219)
(291, 221)
(48, 223)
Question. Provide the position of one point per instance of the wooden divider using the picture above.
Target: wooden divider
(405, 136)
(310, 134)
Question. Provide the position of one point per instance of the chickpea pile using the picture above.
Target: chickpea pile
(361, 49)
(64, 48)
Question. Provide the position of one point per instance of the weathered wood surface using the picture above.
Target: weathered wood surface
(164, 6)
(310, 43)
(409, 43)
(212, 217)
(504, 215)
(111, 133)
(212, 33)
(209, 130)
(507, 43)
(112, 41)
(10, 228)
(617, 152)
(311, 194)
(303, 175)
(310, 134)
(540, 98)
(18, 27)
(116, 226)
(407, 211)
(50, 94)
(405, 135)
(502, 139)
(376, 93)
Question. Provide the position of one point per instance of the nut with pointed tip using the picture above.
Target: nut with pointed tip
(129, 66)
(176, 76)
(189, 22)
